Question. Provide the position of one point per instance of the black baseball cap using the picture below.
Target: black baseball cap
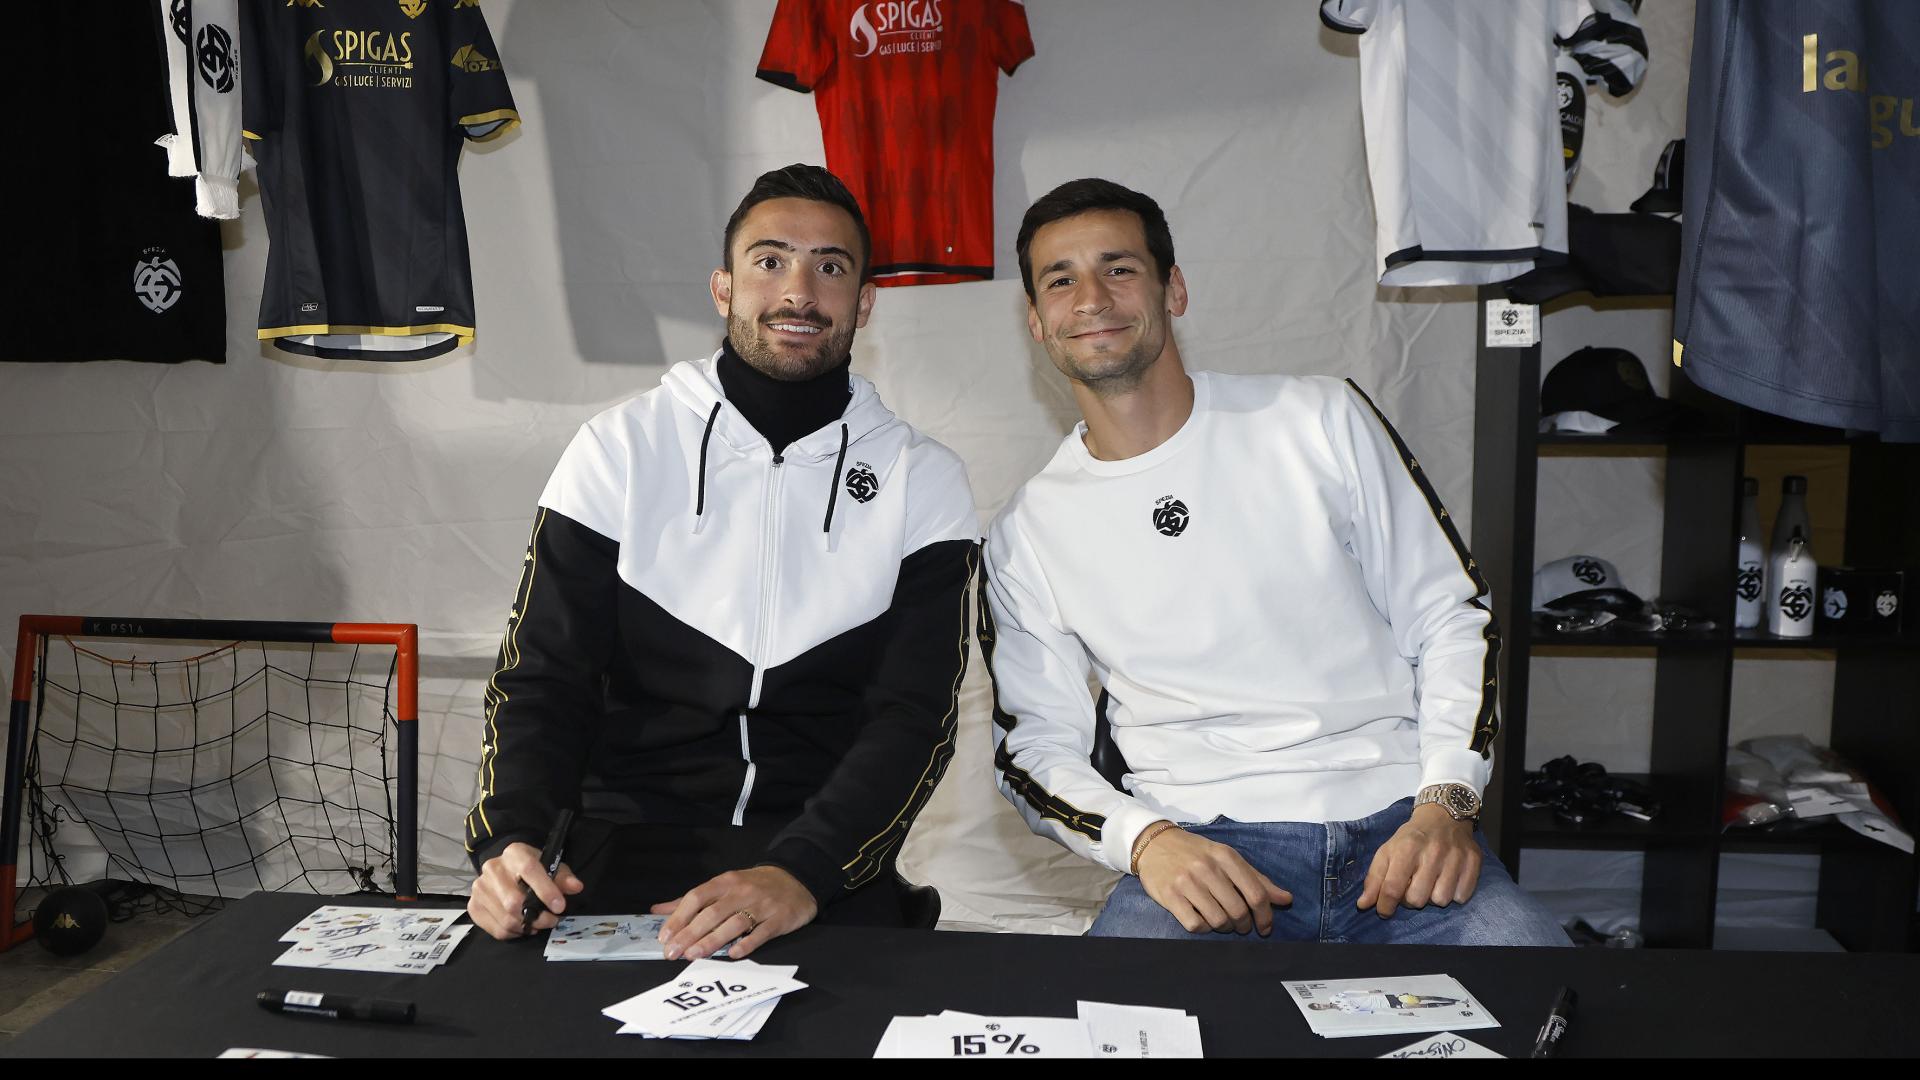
(1607, 382)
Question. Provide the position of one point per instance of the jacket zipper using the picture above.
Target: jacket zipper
(769, 567)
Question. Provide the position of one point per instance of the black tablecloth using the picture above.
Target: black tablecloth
(195, 997)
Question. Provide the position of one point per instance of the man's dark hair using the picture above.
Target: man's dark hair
(1084, 196)
(800, 182)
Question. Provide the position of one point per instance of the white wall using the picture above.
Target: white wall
(276, 487)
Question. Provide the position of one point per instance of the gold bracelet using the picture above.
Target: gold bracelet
(1147, 837)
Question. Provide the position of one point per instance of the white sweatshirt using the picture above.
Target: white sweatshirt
(1280, 609)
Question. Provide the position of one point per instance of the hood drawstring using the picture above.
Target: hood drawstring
(700, 499)
(833, 493)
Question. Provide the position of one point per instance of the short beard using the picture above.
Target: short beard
(1117, 377)
(748, 337)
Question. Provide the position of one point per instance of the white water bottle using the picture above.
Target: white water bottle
(1750, 578)
(1791, 577)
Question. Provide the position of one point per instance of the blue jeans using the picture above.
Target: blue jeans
(1288, 852)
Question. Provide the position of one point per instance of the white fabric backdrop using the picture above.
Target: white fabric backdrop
(277, 487)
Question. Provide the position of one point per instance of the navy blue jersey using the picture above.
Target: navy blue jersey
(356, 111)
(1797, 293)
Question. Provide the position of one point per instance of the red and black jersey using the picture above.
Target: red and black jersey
(906, 92)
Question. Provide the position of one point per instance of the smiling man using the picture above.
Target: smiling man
(741, 624)
(1297, 666)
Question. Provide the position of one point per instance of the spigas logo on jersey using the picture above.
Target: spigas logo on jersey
(361, 58)
(156, 280)
(412, 9)
(897, 26)
(470, 59)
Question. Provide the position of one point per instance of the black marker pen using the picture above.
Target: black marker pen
(550, 856)
(336, 1006)
(1555, 1028)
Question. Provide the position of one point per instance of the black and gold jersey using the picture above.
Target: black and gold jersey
(355, 111)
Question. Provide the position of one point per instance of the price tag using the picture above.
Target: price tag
(1511, 325)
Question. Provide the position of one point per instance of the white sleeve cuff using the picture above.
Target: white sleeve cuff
(216, 197)
(1123, 827)
(1456, 765)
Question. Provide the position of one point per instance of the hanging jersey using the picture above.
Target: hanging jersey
(1802, 212)
(906, 93)
(1462, 131)
(120, 267)
(356, 112)
(1609, 50)
(176, 24)
(214, 56)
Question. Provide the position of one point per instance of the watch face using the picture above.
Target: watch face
(1461, 802)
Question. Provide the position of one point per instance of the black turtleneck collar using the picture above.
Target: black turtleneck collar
(779, 410)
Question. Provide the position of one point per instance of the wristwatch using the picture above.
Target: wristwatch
(1458, 800)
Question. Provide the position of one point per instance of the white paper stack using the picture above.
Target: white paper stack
(404, 940)
(961, 1036)
(608, 937)
(1140, 1031)
(708, 1000)
(1342, 1008)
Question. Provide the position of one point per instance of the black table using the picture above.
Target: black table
(195, 997)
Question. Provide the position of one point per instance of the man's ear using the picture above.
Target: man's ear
(1033, 324)
(721, 285)
(1176, 292)
(869, 292)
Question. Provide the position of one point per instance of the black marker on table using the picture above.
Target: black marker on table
(550, 855)
(335, 1006)
(1555, 1028)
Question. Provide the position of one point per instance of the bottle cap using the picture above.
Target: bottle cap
(1749, 486)
(1793, 485)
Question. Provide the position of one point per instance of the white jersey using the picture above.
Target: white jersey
(1283, 616)
(1462, 126)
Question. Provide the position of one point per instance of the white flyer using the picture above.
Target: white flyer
(1140, 1031)
(705, 988)
(989, 1038)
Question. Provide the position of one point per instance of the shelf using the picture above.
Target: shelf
(1810, 838)
(1605, 639)
(1538, 828)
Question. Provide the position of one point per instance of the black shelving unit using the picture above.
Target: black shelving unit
(1867, 889)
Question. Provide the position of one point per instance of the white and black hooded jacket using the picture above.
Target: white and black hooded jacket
(708, 633)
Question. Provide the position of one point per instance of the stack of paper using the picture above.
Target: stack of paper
(709, 1000)
(1139, 1031)
(405, 940)
(608, 937)
(1341, 1008)
(1101, 1031)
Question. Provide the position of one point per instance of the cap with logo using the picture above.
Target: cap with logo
(1610, 383)
(1582, 582)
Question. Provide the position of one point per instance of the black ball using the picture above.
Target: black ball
(70, 921)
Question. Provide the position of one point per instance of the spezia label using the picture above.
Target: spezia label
(1511, 325)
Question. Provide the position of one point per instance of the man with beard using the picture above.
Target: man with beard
(741, 625)
(1298, 670)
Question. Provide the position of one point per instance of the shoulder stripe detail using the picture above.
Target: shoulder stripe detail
(872, 854)
(1045, 803)
(1486, 719)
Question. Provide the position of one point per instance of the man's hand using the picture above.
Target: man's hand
(497, 892)
(1431, 859)
(1208, 885)
(716, 911)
